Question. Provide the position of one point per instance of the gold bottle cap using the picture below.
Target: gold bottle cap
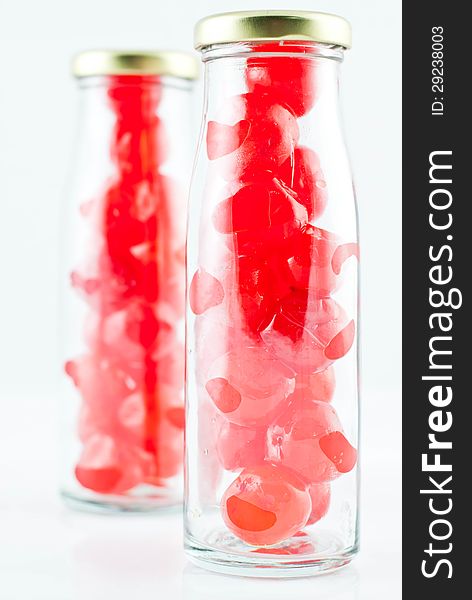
(119, 62)
(267, 25)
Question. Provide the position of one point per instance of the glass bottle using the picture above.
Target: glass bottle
(123, 284)
(272, 312)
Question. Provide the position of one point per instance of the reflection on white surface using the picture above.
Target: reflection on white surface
(126, 556)
(50, 553)
(200, 585)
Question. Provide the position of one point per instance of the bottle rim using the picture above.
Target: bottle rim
(135, 62)
(272, 25)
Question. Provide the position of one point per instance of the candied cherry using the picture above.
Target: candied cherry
(317, 386)
(253, 287)
(205, 291)
(265, 505)
(342, 253)
(320, 494)
(311, 268)
(302, 173)
(252, 134)
(294, 440)
(239, 447)
(102, 382)
(249, 385)
(106, 468)
(290, 80)
(263, 215)
(340, 452)
(309, 333)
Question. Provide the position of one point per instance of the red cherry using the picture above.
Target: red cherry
(317, 386)
(71, 369)
(339, 451)
(290, 80)
(341, 254)
(106, 468)
(294, 440)
(263, 215)
(255, 206)
(302, 332)
(176, 416)
(302, 173)
(253, 288)
(311, 268)
(239, 447)
(320, 494)
(205, 292)
(265, 505)
(252, 134)
(249, 385)
(224, 139)
(341, 343)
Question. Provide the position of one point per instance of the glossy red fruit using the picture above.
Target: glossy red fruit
(239, 447)
(252, 134)
(253, 288)
(257, 206)
(225, 139)
(309, 333)
(249, 385)
(131, 418)
(128, 334)
(341, 342)
(123, 230)
(205, 292)
(294, 440)
(139, 144)
(70, 368)
(265, 505)
(339, 451)
(311, 268)
(320, 494)
(341, 254)
(263, 215)
(302, 173)
(106, 468)
(140, 93)
(317, 386)
(290, 80)
(102, 382)
(254, 291)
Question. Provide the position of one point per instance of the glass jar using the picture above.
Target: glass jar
(272, 318)
(123, 284)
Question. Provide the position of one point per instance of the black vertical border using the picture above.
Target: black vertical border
(424, 133)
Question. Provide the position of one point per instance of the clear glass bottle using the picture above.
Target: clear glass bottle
(272, 317)
(123, 283)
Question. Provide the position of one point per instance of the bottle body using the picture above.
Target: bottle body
(123, 294)
(272, 318)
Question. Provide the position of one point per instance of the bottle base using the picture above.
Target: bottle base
(300, 556)
(139, 504)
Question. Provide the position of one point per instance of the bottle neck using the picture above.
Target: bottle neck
(266, 67)
(282, 48)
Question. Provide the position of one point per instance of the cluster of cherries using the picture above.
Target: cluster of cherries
(267, 327)
(130, 378)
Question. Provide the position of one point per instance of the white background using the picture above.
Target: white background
(47, 552)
